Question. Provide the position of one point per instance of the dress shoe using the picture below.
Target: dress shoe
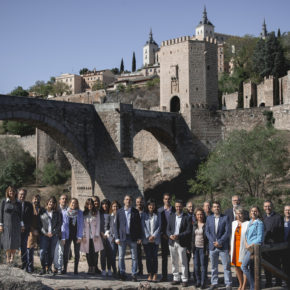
(175, 283)
(184, 284)
(163, 279)
(134, 278)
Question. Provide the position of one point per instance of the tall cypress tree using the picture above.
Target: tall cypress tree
(259, 57)
(122, 66)
(134, 62)
(279, 33)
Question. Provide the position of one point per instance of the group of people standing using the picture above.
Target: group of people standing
(104, 229)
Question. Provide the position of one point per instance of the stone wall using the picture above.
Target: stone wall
(145, 146)
(230, 101)
(28, 143)
(47, 150)
(242, 119)
(284, 85)
(249, 93)
(265, 92)
(282, 116)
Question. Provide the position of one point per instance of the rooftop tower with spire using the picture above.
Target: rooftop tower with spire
(264, 32)
(149, 51)
(204, 28)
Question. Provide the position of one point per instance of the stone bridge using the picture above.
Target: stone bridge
(98, 140)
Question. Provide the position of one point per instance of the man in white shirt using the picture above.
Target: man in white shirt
(179, 232)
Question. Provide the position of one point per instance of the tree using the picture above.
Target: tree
(16, 165)
(115, 71)
(84, 71)
(18, 128)
(19, 92)
(245, 162)
(259, 58)
(60, 88)
(52, 175)
(268, 57)
(43, 89)
(98, 85)
(279, 33)
(122, 66)
(134, 62)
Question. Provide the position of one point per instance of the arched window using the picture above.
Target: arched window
(175, 104)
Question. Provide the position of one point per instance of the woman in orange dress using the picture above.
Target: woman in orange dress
(239, 228)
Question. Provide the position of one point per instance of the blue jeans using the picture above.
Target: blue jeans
(114, 250)
(24, 257)
(248, 269)
(122, 251)
(151, 250)
(214, 258)
(200, 265)
(47, 248)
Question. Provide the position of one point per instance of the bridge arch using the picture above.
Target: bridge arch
(51, 127)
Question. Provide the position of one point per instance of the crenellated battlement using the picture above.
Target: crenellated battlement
(187, 38)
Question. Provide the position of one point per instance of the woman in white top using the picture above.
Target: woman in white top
(238, 248)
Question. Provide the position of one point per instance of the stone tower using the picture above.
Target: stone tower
(205, 28)
(264, 32)
(188, 75)
(149, 51)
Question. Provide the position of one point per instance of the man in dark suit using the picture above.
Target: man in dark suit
(218, 233)
(179, 232)
(26, 217)
(140, 208)
(230, 212)
(128, 232)
(274, 233)
(165, 212)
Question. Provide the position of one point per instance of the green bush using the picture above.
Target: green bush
(52, 175)
(16, 165)
(17, 128)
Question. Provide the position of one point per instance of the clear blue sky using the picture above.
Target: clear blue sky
(44, 38)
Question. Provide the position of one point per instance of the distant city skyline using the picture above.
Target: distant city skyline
(40, 39)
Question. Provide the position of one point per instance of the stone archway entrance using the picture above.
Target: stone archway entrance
(175, 104)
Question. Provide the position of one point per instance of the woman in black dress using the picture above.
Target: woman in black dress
(10, 224)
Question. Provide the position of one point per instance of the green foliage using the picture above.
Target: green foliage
(52, 175)
(268, 57)
(51, 87)
(60, 88)
(18, 128)
(122, 66)
(270, 118)
(84, 71)
(129, 89)
(243, 163)
(152, 83)
(16, 165)
(98, 85)
(134, 62)
(20, 92)
(115, 71)
(120, 88)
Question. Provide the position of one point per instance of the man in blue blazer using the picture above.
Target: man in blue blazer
(128, 231)
(218, 233)
(179, 232)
